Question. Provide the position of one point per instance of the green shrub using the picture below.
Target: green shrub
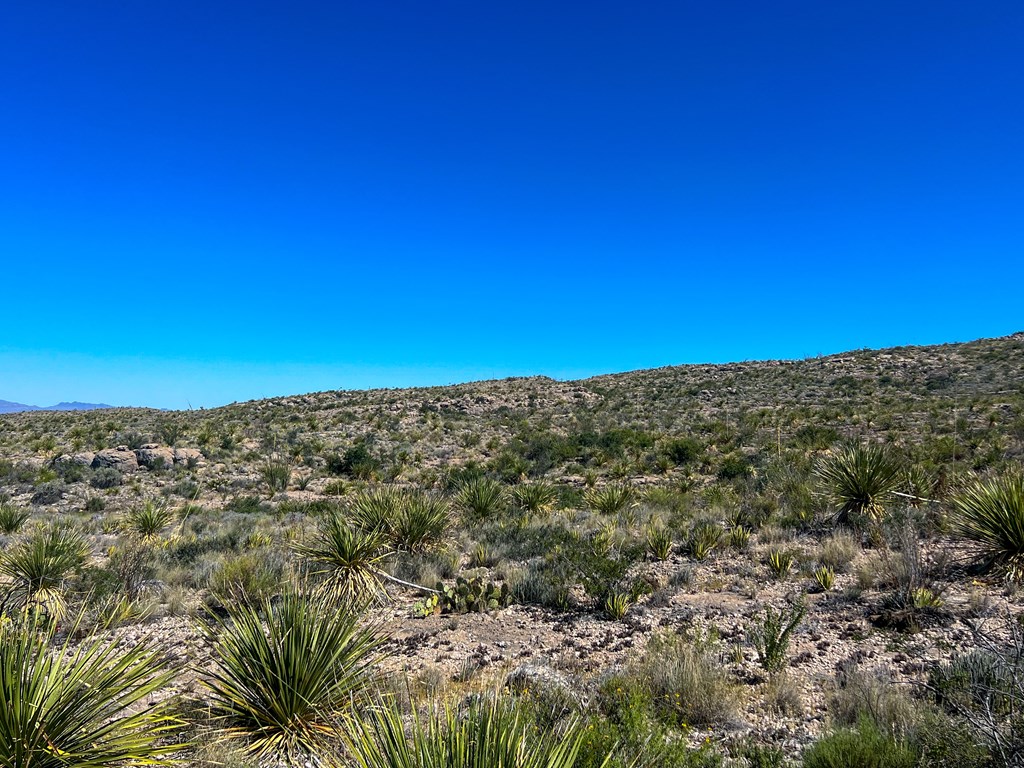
(105, 477)
(357, 461)
(246, 505)
(683, 450)
(95, 504)
(771, 638)
(49, 492)
(250, 578)
(863, 747)
(734, 467)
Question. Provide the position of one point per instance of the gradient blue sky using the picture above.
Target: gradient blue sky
(203, 202)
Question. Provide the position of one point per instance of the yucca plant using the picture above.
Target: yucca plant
(376, 509)
(617, 604)
(480, 557)
(37, 569)
(12, 517)
(825, 577)
(422, 522)
(482, 498)
(738, 537)
(489, 732)
(89, 705)
(658, 540)
(780, 563)
(860, 478)
(611, 499)
(535, 498)
(703, 539)
(346, 560)
(990, 513)
(276, 474)
(148, 521)
(285, 675)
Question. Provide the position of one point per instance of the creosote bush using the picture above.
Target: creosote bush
(687, 684)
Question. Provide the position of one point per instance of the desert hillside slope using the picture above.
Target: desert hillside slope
(751, 564)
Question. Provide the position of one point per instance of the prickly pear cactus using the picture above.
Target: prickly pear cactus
(472, 595)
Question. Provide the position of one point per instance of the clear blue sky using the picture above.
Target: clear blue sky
(203, 202)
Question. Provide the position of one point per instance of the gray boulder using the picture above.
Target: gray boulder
(153, 456)
(121, 458)
(188, 455)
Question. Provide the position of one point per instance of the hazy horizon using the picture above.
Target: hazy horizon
(253, 380)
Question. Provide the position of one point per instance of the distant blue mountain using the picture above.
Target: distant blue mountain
(8, 407)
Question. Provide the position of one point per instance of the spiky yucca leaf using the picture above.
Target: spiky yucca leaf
(12, 518)
(482, 497)
(346, 560)
(422, 522)
(38, 569)
(860, 478)
(88, 706)
(148, 521)
(991, 514)
(376, 509)
(535, 498)
(488, 733)
(286, 673)
(611, 499)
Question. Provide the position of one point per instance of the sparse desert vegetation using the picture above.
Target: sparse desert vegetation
(775, 563)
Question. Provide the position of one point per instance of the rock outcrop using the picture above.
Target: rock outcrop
(121, 458)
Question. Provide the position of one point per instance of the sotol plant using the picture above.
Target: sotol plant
(37, 569)
(482, 498)
(285, 674)
(991, 514)
(148, 521)
(611, 499)
(12, 518)
(346, 560)
(860, 478)
(490, 732)
(87, 706)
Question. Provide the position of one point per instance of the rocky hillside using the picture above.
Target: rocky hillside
(668, 556)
